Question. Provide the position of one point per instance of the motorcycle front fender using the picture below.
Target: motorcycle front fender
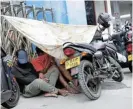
(5, 95)
(4, 78)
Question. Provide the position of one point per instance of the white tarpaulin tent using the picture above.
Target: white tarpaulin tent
(51, 36)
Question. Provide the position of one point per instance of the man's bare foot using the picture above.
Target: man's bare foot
(75, 86)
(50, 95)
(63, 92)
(75, 82)
(72, 90)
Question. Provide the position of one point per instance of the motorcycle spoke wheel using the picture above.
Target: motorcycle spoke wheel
(87, 81)
(14, 91)
(12, 102)
(90, 79)
(116, 74)
(87, 76)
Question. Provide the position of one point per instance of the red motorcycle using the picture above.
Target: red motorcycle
(128, 44)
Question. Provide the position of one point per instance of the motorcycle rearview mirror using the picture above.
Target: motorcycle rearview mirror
(106, 37)
(100, 28)
(126, 22)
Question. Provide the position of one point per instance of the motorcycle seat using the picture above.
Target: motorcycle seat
(83, 46)
(99, 45)
(88, 46)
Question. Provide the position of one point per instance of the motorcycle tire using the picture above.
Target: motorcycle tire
(130, 66)
(121, 73)
(92, 95)
(12, 102)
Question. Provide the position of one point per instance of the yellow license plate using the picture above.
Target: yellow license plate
(72, 63)
(129, 57)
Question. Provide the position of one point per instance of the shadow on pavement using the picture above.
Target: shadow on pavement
(112, 85)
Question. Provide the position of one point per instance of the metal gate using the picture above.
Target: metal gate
(11, 39)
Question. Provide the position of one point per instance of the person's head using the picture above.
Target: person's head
(22, 56)
(39, 51)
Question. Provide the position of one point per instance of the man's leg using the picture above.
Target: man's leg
(37, 86)
(52, 75)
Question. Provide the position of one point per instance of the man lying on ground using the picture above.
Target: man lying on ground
(33, 82)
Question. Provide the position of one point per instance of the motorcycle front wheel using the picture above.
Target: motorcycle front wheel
(119, 75)
(130, 66)
(90, 87)
(12, 102)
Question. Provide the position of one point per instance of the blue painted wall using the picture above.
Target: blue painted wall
(59, 10)
(76, 12)
(65, 11)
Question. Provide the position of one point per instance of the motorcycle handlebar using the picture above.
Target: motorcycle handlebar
(117, 34)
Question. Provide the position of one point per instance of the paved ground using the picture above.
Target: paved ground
(114, 96)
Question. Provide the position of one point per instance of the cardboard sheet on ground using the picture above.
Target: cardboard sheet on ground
(51, 36)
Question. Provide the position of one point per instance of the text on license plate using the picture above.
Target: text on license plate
(72, 63)
(129, 57)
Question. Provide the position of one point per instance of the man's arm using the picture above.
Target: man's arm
(65, 72)
(34, 71)
(63, 81)
(66, 85)
(20, 78)
(47, 63)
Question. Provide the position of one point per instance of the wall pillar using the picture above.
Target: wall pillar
(116, 13)
(76, 12)
(108, 3)
(60, 11)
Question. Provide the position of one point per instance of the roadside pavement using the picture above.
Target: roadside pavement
(114, 96)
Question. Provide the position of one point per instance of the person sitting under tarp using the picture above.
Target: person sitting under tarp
(44, 62)
(72, 83)
(34, 83)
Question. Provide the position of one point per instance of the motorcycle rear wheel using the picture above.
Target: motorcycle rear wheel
(12, 102)
(86, 85)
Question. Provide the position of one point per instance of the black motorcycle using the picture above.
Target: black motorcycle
(10, 92)
(93, 62)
